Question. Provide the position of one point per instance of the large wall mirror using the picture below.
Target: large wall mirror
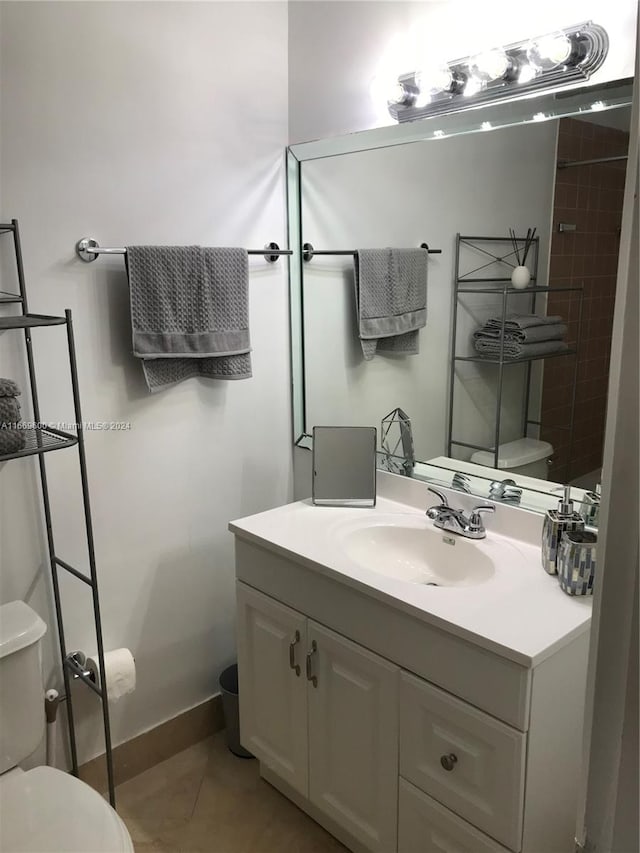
(510, 412)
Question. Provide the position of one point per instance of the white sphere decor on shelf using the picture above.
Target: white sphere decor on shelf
(520, 277)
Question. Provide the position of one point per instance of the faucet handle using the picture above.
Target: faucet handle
(475, 519)
(438, 494)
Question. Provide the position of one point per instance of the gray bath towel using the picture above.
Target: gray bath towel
(9, 411)
(513, 322)
(391, 299)
(8, 388)
(529, 335)
(189, 312)
(513, 349)
(11, 439)
(527, 327)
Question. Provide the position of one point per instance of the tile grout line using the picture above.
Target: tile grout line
(195, 803)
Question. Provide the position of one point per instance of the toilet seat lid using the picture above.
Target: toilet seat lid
(48, 811)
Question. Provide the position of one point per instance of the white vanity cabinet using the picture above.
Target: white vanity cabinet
(396, 735)
(320, 712)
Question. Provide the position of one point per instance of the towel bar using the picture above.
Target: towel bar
(309, 251)
(88, 250)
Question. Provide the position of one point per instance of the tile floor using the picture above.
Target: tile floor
(205, 800)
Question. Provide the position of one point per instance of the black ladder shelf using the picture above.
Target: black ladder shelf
(40, 439)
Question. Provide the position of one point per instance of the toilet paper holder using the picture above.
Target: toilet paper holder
(76, 664)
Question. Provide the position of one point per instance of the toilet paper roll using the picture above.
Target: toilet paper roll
(120, 672)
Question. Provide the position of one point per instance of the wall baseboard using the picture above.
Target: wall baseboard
(150, 748)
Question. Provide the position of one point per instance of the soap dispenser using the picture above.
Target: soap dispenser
(556, 522)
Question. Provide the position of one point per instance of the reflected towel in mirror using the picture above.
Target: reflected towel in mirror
(513, 349)
(525, 328)
(391, 299)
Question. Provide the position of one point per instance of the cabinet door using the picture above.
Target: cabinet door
(425, 826)
(353, 738)
(273, 695)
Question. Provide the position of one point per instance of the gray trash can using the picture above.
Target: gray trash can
(229, 689)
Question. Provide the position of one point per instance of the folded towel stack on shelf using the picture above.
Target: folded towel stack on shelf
(524, 336)
(12, 437)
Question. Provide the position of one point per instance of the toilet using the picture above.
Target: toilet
(528, 457)
(43, 810)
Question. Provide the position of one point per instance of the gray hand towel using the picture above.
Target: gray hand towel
(512, 349)
(391, 299)
(189, 312)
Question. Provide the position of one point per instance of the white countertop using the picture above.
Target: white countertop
(520, 613)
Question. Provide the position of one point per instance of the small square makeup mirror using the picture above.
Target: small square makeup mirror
(344, 466)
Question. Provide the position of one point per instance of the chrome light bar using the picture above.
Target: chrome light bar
(557, 59)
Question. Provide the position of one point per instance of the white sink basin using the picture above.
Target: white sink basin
(409, 548)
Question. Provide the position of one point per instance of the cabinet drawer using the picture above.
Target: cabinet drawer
(424, 826)
(462, 757)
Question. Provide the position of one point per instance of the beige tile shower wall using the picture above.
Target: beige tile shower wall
(589, 197)
(145, 123)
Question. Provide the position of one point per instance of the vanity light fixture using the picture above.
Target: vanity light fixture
(556, 59)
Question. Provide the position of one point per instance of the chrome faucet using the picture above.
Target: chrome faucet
(452, 520)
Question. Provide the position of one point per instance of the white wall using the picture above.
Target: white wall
(479, 184)
(336, 48)
(133, 123)
(609, 801)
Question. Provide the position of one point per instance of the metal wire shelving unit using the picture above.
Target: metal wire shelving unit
(496, 253)
(41, 439)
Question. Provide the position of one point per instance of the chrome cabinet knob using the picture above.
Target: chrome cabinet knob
(449, 761)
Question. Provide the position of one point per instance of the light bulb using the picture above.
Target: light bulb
(386, 91)
(540, 117)
(597, 106)
(472, 86)
(492, 65)
(549, 51)
(422, 99)
(486, 125)
(397, 94)
(432, 81)
(527, 73)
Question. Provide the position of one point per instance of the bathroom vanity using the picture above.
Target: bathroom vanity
(431, 703)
